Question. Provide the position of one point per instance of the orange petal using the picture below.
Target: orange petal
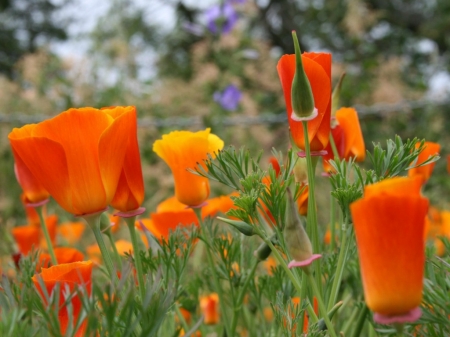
(163, 223)
(397, 186)
(220, 204)
(124, 246)
(209, 307)
(32, 189)
(130, 190)
(353, 137)
(425, 171)
(389, 226)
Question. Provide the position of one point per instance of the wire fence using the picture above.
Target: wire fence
(263, 119)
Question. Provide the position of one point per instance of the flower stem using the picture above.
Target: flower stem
(93, 221)
(137, 256)
(238, 303)
(399, 328)
(198, 213)
(40, 211)
(312, 226)
(116, 253)
(322, 309)
(340, 265)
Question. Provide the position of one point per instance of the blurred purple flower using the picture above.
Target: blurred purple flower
(221, 19)
(237, 1)
(193, 28)
(229, 98)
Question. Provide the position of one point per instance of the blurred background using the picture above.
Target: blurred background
(204, 63)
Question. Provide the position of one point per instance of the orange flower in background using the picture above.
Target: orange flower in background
(130, 190)
(94, 253)
(124, 246)
(448, 164)
(70, 277)
(33, 191)
(63, 255)
(317, 67)
(28, 236)
(347, 136)
(32, 214)
(425, 171)
(275, 165)
(71, 231)
(182, 150)
(168, 216)
(209, 308)
(220, 204)
(77, 156)
(389, 225)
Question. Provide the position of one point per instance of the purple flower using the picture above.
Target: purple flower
(221, 19)
(229, 98)
(193, 28)
(237, 1)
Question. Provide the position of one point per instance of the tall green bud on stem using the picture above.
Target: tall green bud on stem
(301, 92)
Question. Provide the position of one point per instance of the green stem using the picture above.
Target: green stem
(303, 295)
(312, 315)
(40, 211)
(334, 148)
(116, 253)
(399, 328)
(181, 318)
(322, 309)
(240, 299)
(360, 321)
(340, 266)
(312, 226)
(332, 223)
(198, 213)
(137, 256)
(94, 222)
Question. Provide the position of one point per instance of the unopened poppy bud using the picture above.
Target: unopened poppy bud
(105, 223)
(301, 171)
(302, 96)
(241, 226)
(297, 241)
(263, 251)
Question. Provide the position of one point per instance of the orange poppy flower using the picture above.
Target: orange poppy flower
(317, 67)
(347, 136)
(78, 156)
(63, 255)
(28, 236)
(209, 308)
(182, 150)
(425, 171)
(71, 276)
(220, 204)
(448, 164)
(168, 216)
(124, 246)
(389, 225)
(130, 190)
(33, 190)
(94, 253)
(71, 231)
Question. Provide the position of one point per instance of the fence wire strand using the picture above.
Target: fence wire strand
(242, 120)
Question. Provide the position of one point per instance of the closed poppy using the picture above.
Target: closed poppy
(347, 136)
(183, 150)
(77, 156)
(389, 223)
(130, 190)
(317, 67)
(209, 308)
(70, 277)
(33, 191)
(71, 231)
(430, 149)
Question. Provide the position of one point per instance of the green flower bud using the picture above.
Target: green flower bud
(263, 251)
(241, 226)
(301, 93)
